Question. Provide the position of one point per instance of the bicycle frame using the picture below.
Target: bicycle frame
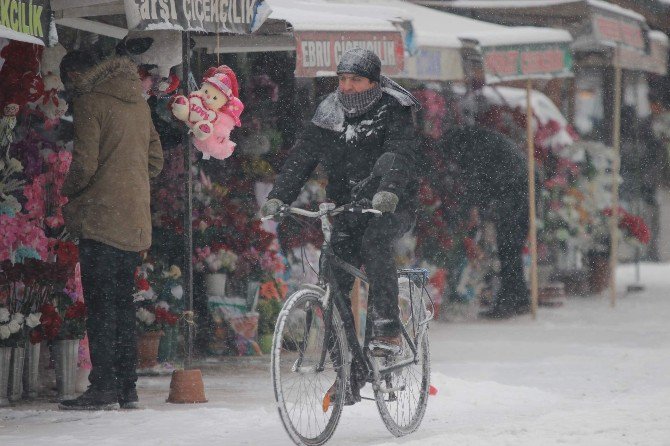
(333, 297)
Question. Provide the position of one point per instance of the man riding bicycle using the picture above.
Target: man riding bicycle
(367, 116)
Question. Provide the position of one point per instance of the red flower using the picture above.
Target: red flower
(36, 336)
(143, 284)
(51, 321)
(76, 311)
(633, 224)
(165, 316)
(471, 250)
(67, 254)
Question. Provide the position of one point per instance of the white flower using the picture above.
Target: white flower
(143, 295)
(15, 165)
(14, 327)
(4, 332)
(33, 320)
(18, 318)
(163, 304)
(177, 291)
(4, 315)
(146, 316)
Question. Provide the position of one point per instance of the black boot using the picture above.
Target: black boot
(128, 399)
(507, 306)
(92, 399)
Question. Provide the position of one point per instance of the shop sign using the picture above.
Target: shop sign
(438, 64)
(318, 53)
(29, 17)
(519, 62)
(619, 31)
(233, 16)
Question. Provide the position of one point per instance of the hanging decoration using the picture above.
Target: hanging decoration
(212, 112)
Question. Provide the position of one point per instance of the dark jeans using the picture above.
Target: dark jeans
(511, 232)
(107, 276)
(368, 241)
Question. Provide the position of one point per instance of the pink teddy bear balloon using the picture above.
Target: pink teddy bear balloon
(212, 112)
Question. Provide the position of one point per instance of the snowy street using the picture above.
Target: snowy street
(582, 374)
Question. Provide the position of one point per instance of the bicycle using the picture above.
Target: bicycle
(316, 352)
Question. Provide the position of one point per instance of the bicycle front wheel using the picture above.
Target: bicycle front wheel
(308, 362)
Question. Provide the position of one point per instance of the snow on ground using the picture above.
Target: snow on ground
(583, 374)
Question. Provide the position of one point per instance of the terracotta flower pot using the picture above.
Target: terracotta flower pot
(187, 387)
(147, 349)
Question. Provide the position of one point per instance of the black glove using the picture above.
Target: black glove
(384, 201)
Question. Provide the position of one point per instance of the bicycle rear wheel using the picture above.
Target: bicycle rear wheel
(307, 360)
(403, 408)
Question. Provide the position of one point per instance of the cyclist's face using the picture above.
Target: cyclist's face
(353, 83)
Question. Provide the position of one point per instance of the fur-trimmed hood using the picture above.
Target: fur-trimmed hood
(115, 77)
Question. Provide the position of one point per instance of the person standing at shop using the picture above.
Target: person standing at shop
(369, 115)
(116, 152)
(493, 172)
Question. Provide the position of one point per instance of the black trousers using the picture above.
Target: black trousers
(511, 219)
(107, 276)
(368, 241)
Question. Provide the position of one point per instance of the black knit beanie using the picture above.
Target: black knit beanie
(361, 62)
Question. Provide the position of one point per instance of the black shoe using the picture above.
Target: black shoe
(92, 399)
(128, 399)
(507, 311)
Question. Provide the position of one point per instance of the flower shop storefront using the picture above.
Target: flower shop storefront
(454, 59)
(607, 39)
(42, 312)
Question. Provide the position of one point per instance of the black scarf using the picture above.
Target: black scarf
(356, 104)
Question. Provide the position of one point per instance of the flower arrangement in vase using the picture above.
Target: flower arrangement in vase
(158, 297)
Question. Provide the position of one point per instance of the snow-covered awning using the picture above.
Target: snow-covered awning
(596, 25)
(212, 16)
(324, 30)
(509, 52)
(25, 20)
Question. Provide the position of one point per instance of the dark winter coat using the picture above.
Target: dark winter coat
(116, 151)
(491, 164)
(348, 154)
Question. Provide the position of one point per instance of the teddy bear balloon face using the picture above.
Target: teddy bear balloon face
(202, 111)
(211, 112)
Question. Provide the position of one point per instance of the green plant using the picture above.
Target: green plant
(268, 311)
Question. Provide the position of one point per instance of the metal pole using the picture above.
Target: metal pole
(188, 210)
(637, 286)
(531, 199)
(616, 164)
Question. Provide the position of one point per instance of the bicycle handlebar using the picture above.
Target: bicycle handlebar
(318, 214)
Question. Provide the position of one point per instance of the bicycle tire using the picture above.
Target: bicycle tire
(402, 411)
(286, 348)
(398, 416)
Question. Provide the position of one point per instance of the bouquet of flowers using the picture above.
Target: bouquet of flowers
(217, 260)
(61, 318)
(158, 297)
(11, 328)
